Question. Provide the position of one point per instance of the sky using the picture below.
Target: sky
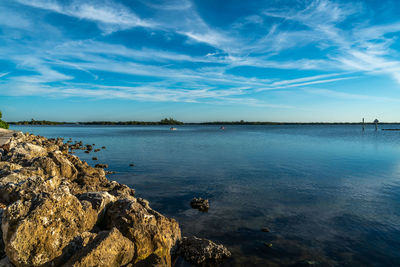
(205, 60)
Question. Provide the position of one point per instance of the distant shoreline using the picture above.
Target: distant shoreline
(143, 123)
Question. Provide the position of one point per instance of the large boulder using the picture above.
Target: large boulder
(19, 187)
(25, 151)
(36, 231)
(151, 232)
(99, 202)
(202, 252)
(108, 248)
(66, 168)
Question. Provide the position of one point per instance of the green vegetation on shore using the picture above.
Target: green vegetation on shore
(165, 121)
(35, 122)
(175, 122)
(3, 124)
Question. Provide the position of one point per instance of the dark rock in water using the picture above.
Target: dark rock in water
(269, 245)
(110, 172)
(104, 166)
(200, 204)
(87, 151)
(202, 252)
(131, 165)
(94, 158)
(306, 263)
(97, 150)
(265, 230)
(103, 147)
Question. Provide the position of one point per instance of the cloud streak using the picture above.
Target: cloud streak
(188, 57)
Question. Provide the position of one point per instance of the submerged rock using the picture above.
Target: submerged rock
(200, 204)
(202, 252)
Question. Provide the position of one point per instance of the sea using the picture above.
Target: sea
(328, 194)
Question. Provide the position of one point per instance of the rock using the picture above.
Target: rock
(151, 232)
(94, 158)
(202, 252)
(66, 168)
(100, 201)
(153, 260)
(265, 230)
(58, 210)
(25, 151)
(5, 262)
(104, 166)
(87, 151)
(268, 245)
(97, 150)
(14, 187)
(131, 165)
(108, 248)
(36, 231)
(200, 204)
(2, 253)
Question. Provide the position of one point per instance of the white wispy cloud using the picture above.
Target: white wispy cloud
(3, 74)
(111, 16)
(349, 96)
(344, 53)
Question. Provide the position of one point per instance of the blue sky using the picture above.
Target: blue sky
(305, 60)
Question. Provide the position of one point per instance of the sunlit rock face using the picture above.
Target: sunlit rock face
(57, 210)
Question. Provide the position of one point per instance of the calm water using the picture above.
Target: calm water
(329, 194)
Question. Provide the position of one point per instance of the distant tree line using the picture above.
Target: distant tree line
(3, 124)
(35, 122)
(166, 121)
(171, 121)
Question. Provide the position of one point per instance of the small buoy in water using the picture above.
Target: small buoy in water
(131, 165)
(173, 129)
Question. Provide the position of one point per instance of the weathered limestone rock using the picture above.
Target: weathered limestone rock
(15, 187)
(57, 210)
(36, 232)
(108, 248)
(201, 251)
(26, 151)
(150, 231)
(99, 201)
(2, 253)
(66, 168)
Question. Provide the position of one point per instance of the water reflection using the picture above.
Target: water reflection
(329, 194)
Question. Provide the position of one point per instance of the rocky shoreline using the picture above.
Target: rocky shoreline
(56, 210)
